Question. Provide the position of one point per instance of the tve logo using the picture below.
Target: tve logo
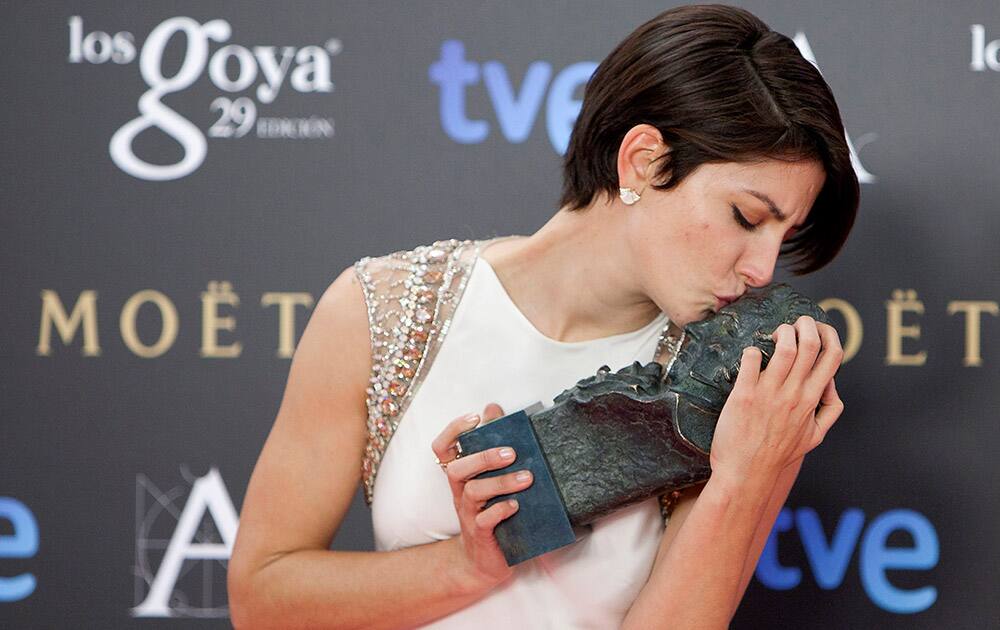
(517, 108)
(828, 558)
(23, 543)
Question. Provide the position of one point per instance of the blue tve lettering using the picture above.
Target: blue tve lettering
(829, 559)
(452, 72)
(516, 109)
(829, 563)
(23, 543)
(769, 571)
(516, 115)
(876, 558)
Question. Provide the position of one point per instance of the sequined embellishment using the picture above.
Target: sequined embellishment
(411, 297)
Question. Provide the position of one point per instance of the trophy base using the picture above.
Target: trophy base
(540, 523)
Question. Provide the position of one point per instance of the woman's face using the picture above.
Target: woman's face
(701, 244)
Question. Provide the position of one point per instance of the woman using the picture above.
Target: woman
(705, 147)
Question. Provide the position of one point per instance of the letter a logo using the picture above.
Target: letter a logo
(208, 494)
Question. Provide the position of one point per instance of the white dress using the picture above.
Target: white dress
(492, 353)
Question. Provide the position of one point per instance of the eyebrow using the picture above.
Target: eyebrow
(773, 207)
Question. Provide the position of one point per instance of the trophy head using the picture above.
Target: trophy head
(705, 368)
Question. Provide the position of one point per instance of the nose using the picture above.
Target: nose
(756, 266)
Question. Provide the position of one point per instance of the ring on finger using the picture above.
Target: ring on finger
(458, 453)
(444, 465)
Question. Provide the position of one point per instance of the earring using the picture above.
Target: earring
(628, 196)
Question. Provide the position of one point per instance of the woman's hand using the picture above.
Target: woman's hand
(479, 549)
(771, 418)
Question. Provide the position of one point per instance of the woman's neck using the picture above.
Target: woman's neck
(573, 278)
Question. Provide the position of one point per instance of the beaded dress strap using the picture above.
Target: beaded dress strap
(411, 297)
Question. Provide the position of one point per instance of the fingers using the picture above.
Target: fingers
(784, 354)
(461, 469)
(749, 368)
(480, 491)
(492, 412)
(473, 493)
(487, 519)
(444, 444)
(807, 348)
(830, 408)
(828, 362)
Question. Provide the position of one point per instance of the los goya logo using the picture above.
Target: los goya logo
(237, 116)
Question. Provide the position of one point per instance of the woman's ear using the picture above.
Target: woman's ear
(641, 145)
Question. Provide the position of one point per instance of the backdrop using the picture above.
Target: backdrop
(182, 180)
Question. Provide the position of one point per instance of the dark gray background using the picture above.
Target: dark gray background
(288, 215)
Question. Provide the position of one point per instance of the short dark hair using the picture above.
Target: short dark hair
(720, 86)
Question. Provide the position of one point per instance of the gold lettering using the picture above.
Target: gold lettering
(218, 293)
(168, 327)
(973, 315)
(53, 312)
(286, 317)
(855, 331)
(902, 301)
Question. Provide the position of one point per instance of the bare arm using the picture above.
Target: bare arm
(654, 592)
(779, 494)
(694, 583)
(281, 573)
(318, 588)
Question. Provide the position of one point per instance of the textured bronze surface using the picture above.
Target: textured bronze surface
(617, 438)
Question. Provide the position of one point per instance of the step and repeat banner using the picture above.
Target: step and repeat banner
(182, 180)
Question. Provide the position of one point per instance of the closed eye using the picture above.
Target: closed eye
(742, 220)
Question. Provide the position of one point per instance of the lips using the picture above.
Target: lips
(724, 300)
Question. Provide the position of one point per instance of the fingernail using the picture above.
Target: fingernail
(512, 503)
(506, 453)
(472, 418)
(523, 476)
